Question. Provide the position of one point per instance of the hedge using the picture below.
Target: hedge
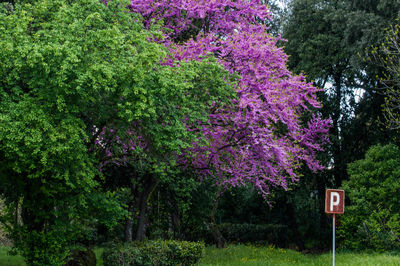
(157, 253)
(252, 233)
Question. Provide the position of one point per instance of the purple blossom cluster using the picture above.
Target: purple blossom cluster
(261, 139)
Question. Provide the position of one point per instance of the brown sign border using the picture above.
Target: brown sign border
(326, 201)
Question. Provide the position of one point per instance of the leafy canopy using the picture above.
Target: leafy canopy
(372, 218)
(69, 70)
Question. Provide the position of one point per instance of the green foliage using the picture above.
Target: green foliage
(169, 252)
(300, 209)
(82, 256)
(61, 68)
(243, 205)
(69, 69)
(176, 199)
(387, 55)
(327, 41)
(372, 218)
(274, 234)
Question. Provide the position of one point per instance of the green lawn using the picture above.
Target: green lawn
(98, 252)
(250, 255)
(8, 260)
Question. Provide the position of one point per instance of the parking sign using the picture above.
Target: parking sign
(334, 201)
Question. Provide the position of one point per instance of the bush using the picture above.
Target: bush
(81, 256)
(252, 233)
(168, 252)
(372, 219)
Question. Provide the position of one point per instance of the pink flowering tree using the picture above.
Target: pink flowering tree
(263, 136)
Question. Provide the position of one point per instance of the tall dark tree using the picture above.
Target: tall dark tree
(327, 41)
(366, 24)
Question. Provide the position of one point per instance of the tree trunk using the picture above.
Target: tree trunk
(129, 223)
(220, 241)
(293, 224)
(149, 187)
(174, 219)
(176, 222)
(29, 217)
(218, 237)
(141, 227)
(339, 170)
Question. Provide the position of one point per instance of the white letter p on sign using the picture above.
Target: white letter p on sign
(335, 199)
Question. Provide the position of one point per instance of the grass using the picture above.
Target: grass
(6, 259)
(262, 256)
(250, 255)
(99, 252)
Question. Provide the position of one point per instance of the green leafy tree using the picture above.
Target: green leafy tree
(371, 220)
(145, 153)
(387, 55)
(69, 70)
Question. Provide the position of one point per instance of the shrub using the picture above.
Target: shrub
(160, 252)
(372, 219)
(81, 256)
(252, 233)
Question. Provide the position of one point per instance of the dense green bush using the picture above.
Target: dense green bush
(81, 256)
(276, 234)
(252, 233)
(167, 252)
(371, 221)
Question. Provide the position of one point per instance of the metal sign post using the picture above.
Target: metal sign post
(333, 242)
(334, 204)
